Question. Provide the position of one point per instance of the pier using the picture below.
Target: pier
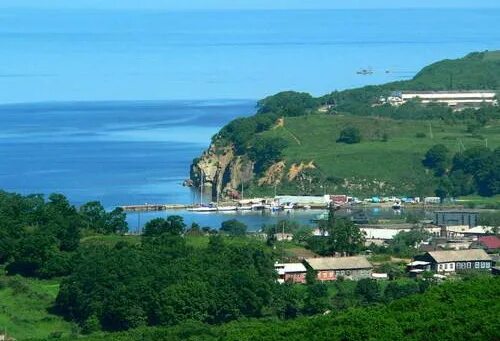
(154, 207)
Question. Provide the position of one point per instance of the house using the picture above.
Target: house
(456, 217)
(417, 267)
(291, 272)
(283, 237)
(330, 268)
(460, 260)
(487, 243)
(478, 231)
(432, 200)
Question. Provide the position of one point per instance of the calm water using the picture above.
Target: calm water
(113, 104)
(118, 153)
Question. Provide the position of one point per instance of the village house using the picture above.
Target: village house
(288, 237)
(330, 268)
(291, 272)
(453, 261)
(488, 243)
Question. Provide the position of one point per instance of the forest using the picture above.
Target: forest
(165, 284)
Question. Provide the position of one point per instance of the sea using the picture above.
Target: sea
(113, 105)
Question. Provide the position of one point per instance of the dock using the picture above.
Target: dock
(154, 207)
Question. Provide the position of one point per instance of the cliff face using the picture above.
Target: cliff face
(222, 171)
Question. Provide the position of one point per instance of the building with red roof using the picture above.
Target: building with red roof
(488, 243)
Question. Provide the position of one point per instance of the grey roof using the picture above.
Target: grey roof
(339, 263)
(459, 255)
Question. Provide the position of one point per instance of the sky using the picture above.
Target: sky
(245, 4)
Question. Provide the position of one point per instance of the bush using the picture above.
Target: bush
(350, 135)
(420, 135)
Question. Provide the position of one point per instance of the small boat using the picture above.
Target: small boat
(364, 72)
(275, 208)
(202, 209)
(307, 207)
(226, 208)
(288, 206)
(396, 206)
(244, 208)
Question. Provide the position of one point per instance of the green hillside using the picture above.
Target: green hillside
(294, 145)
(396, 162)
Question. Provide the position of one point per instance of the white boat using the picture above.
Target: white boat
(226, 208)
(288, 206)
(244, 208)
(202, 209)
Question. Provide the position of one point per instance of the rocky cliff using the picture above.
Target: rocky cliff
(221, 171)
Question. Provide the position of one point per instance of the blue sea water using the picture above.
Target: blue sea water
(114, 105)
(115, 152)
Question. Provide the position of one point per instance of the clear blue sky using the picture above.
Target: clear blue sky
(246, 4)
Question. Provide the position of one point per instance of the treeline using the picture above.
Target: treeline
(38, 237)
(458, 310)
(475, 170)
(476, 71)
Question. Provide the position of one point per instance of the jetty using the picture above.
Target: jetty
(154, 207)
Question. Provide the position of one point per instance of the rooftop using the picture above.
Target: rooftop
(459, 255)
(339, 263)
(491, 242)
(291, 267)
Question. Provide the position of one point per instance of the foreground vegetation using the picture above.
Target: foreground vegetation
(180, 282)
(462, 310)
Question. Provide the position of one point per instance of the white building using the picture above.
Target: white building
(456, 99)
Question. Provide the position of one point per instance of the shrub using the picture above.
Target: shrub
(350, 135)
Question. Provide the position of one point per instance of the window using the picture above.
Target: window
(483, 265)
(446, 266)
(440, 266)
(476, 265)
(348, 272)
(469, 265)
(452, 266)
(487, 265)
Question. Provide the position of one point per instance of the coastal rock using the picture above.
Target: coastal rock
(221, 171)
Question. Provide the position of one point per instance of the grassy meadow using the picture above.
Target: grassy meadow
(397, 161)
(25, 309)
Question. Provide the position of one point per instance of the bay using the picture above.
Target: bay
(113, 105)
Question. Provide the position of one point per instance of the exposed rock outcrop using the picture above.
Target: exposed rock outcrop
(221, 171)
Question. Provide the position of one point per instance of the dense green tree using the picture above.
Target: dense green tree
(266, 151)
(233, 227)
(437, 158)
(173, 225)
(395, 290)
(316, 299)
(405, 243)
(343, 236)
(350, 135)
(288, 103)
(368, 290)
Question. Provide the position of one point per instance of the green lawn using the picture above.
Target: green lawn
(24, 309)
(396, 163)
(475, 200)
